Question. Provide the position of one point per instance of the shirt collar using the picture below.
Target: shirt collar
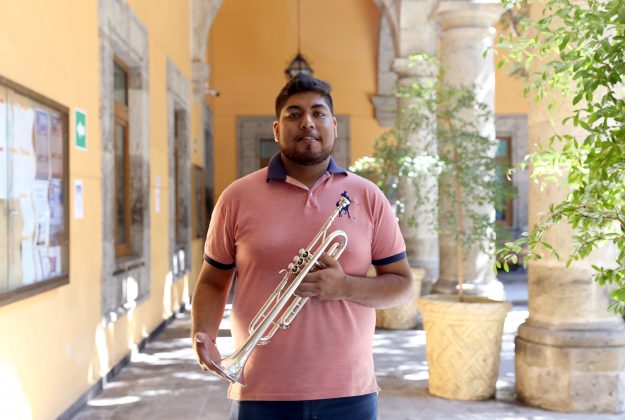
(277, 172)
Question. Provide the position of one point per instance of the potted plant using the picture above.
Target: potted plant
(463, 333)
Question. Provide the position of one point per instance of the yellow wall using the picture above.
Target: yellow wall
(252, 42)
(508, 89)
(37, 35)
(53, 347)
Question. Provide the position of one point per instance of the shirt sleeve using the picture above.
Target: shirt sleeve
(219, 248)
(388, 243)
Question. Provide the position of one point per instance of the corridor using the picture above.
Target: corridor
(165, 382)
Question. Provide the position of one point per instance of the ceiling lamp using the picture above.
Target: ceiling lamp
(298, 64)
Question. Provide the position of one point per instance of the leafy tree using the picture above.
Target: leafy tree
(576, 49)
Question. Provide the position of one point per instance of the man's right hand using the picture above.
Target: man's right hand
(209, 300)
(207, 353)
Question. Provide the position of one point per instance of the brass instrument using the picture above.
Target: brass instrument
(271, 317)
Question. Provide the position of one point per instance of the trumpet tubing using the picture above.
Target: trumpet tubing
(273, 316)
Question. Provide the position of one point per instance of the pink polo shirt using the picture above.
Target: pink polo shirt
(258, 225)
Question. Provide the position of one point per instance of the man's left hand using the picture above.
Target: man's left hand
(326, 283)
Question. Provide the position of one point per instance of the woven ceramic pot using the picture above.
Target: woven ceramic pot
(406, 316)
(463, 342)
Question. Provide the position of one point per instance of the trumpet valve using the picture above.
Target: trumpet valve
(299, 261)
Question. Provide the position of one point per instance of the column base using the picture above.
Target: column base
(571, 370)
(431, 272)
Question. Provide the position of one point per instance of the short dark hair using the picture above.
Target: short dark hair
(300, 84)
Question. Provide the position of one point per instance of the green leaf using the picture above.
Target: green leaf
(564, 42)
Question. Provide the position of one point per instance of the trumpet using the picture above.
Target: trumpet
(272, 316)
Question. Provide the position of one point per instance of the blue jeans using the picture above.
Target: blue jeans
(362, 407)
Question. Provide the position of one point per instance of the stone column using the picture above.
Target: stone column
(466, 31)
(418, 223)
(199, 83)
(570, 352)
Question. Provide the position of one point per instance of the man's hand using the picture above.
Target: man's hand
(392, 285)
(207, 352)
(209, 300)
(326, 283)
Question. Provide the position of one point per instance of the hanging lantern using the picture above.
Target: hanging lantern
(297, 66)
(299, 63)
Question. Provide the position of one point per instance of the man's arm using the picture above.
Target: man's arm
(208, 303)
(392, 285)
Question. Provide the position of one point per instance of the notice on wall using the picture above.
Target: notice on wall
(57, 215)
(48, 261)
(27, 211)
(42, 144)
(23, 165)
(56, 147)
(79, 202)
(33, 169)
(41, 205)
(29, 271)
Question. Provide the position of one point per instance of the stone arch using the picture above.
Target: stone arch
(388, 19)
(384, 101)
(406, 27)
(203, 14)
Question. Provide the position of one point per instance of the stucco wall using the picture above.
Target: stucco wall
(54, 346)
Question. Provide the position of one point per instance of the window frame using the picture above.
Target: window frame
(177, 179)
(199, 189)
(506, 161)
(26, 291)
(121, 116)
(264, 161)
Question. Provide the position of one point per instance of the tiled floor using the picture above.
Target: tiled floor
(165, 382)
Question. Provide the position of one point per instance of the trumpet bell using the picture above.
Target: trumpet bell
(232, 369)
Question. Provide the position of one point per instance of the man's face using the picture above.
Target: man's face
(306, 129)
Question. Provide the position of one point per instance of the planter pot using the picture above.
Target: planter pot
(406, 316)
(463, 342)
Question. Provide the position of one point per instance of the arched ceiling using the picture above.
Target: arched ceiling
(411, 24)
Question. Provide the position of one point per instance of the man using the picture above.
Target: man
(322, 366)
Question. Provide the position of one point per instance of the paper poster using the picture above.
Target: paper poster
(79, 203)
(48, 262)
(4, 151)
(40, 191)
(29, 269)
(23, 164)
(27, 214)
(56, 216)
(54, 261)
(42, 144)
(56, 147)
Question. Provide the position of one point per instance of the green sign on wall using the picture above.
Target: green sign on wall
(81, 129)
